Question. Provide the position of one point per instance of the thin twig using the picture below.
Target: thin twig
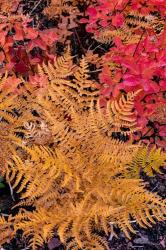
(139, 42)
(94, 71)
(78, 38)
(125, 6)
(155, 187)
(5, 215)
(34, 7)
(137, 246)
(11, 191)
(131, 221)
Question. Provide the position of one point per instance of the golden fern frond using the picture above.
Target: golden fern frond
(34, 224)
(56, 7)
(7, 100)
(21, 175)
(52, 168)
(122, 111)
(6, 228)
(124, 33)
(63, 67)
(99, 242)
(63, 228)
(76, 92)
(3, 78)
(149, 207)
(136, 20)
(118, 114)
(99, 123)
(10, 126)
(147, 160)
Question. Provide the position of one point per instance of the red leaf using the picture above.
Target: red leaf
(31, 33)
(2, 56)
(92, 11)
(3, 38)
(3, 25)
(19, 35)
(11, 83)
(35, 60)
(39, 81)
(83, 20)
(161, 143)
(8, 43)
(9, 66)
(118, 20)
(36, 43)
(49, 36)
(21, 67)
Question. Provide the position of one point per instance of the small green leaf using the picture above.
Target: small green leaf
(2, 185)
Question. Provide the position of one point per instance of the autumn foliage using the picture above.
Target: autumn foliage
(136, 58)
(80, 82)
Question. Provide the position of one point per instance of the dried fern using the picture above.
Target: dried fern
(82, 179)
(133, 23)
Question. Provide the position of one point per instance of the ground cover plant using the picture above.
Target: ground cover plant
(82, 123)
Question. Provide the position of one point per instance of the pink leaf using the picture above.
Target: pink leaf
(39, 81)
(31, 33)
(2, 56)
(36, 43)
(91, 11)
(49, 36)
(19, 35)
(118, 20)
(11, 83)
